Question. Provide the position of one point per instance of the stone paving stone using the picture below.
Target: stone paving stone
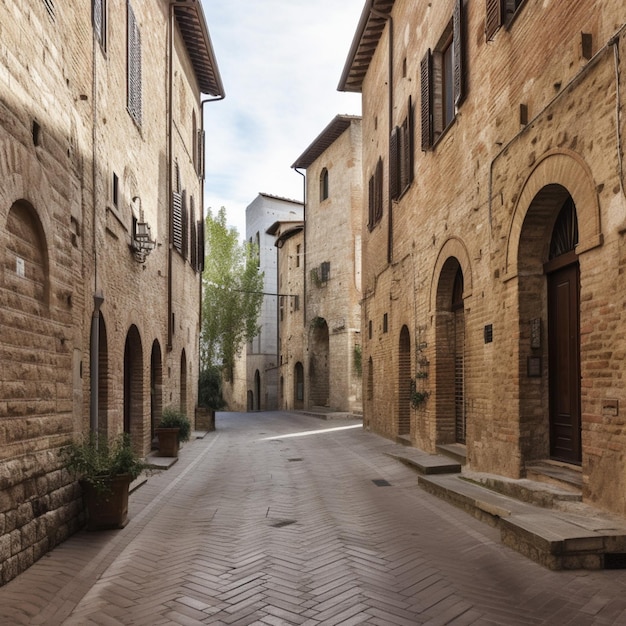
(202, 547)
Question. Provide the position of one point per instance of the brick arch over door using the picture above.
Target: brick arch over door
(567, 169)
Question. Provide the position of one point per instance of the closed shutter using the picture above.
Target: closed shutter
(200, 153)
(371, 219)
(408, 147)
(134, 67)
(427, 126)
(459, 46)
(193, 244)
(97, 19)
(185, 227)
(493, 18)
(177, 220)
(378, 212)
(200, 245)
(394, 165)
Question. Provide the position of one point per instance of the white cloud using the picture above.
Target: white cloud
(280, 62)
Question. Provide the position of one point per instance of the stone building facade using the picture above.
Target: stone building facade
(289, 241)
(332, 266)
(101, 157)
(261, 354)
(493, 232)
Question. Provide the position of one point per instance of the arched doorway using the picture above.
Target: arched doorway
(549, 303)
(103, 378)
(319, 374)
(133, 388)
(404, 382)
(450, 355)
(156, 387)
(298, 392)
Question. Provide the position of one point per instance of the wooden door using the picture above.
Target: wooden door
(564, 364)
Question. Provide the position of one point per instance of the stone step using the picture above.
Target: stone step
(423, 462)
(555, 473)
(572, 536)
(456, 451)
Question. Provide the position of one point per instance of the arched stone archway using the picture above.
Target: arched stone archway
(156, 386)
(450, 401)
(133, 388)
(298, 392)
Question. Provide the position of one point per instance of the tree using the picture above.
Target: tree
(232, 294)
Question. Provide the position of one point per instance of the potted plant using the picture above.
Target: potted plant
(173, 428)
(104, 470)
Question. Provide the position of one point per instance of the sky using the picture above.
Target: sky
(280, 62)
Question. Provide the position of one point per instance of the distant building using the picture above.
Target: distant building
(291, 345)
(262, 360)
(332, 267)
(101, 245)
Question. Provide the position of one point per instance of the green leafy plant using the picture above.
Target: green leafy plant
(95, 461)
(421, 374)
(418, 398)
(210, 388)
(175, 418)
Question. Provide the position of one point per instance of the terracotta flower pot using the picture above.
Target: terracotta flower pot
(168, 441)
(107, 508)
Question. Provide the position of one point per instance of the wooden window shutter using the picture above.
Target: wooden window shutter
(408, 146)
(394, 164)
(459, 47)
(379, 191)
(134, 67)
(493, 18)
(185, 226)
(193, 244)
(426, 90)
(371, 209)
(177, 220)
(200, 245)
(97, 16)
(200, 153)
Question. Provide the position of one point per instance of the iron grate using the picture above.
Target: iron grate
(381, 482)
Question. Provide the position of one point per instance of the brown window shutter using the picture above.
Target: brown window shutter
(493, 18)
(426, 78)
(200, 245)
(394, 164)
(459, 46)
(177, 220)
(200, 149)
(379, 190)
(371, 199)
(185, 227)
(409, 144)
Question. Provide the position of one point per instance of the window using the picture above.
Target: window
(99, 19)
(499, 12)
(298, 255)
(324, 185)
(325, 271)
(375, 198)
(115, 190)
(133, 102)
(385, 323)
(401, 155)
(442, 80)
(296, 303)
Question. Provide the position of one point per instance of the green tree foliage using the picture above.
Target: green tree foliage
(232, 294)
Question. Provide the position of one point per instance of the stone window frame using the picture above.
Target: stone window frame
(324, 184)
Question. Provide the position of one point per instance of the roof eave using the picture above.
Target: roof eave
(194, 30)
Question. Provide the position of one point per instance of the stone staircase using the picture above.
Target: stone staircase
(541, 516)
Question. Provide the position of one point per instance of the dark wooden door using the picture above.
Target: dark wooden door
(564, 363)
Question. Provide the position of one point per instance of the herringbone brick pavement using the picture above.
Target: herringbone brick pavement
(256, 526)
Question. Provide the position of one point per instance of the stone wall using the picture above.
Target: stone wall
(537, 124)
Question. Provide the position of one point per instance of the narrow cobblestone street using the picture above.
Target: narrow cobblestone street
(279, 518)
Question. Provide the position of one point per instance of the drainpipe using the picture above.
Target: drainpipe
(98, 298)
(389, 19)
